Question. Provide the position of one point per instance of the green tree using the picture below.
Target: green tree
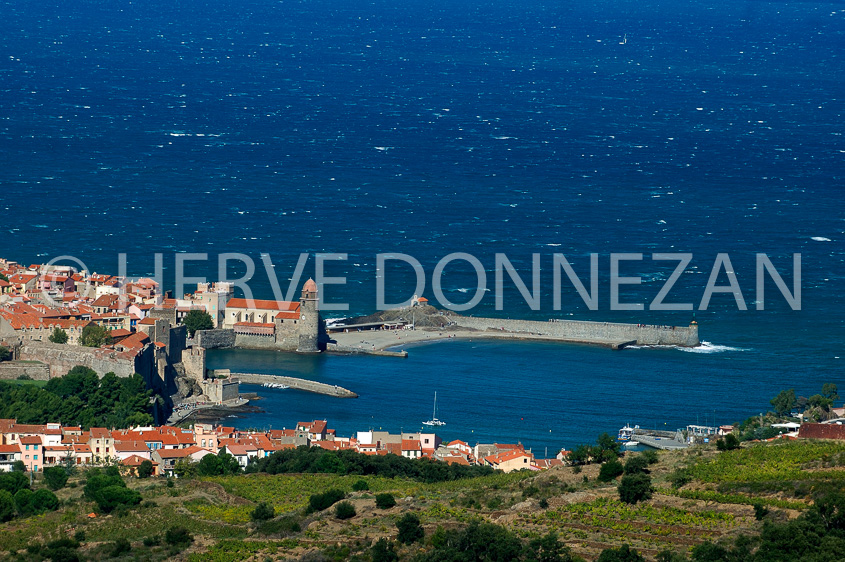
(608, 443)
(23, 502)
(5, 354)
(383, 550)
(58, 336)
(622, 554)
(145, 469)
(360, 485)
(784, 402)
(55, 477)
(637, 464)
(197, 320)
(634, 488)
(44, 500)
(610, 470)
(186, 468)
(410, 530)
(7, 506)
(829, 391)
(819, 401)
(94, 335)
(548, 549)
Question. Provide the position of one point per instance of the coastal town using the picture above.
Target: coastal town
(42, 446)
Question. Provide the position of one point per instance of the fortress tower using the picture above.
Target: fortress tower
(309, 319)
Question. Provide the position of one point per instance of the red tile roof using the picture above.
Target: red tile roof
(821, 431)
(256, 304)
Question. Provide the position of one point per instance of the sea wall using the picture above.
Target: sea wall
(11, 370)
(214, 339)
(300, 384)
(590, 332)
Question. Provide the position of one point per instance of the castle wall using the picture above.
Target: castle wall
(62, 358)
(591, 332)
(11, 370)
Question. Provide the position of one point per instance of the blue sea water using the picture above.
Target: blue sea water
(429, 128)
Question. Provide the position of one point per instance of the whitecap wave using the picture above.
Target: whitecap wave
(707, 347)
(820, 239)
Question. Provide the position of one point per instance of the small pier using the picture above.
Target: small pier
(659, 442)
(299, 384)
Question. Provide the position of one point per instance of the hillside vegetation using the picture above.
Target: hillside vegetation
(762, 502)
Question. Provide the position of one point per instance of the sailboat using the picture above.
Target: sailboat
(434, 421)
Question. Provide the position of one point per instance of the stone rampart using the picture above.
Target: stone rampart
(63, 358)
(214, 339)
(606, 333)
(11, 370)
(249, 341)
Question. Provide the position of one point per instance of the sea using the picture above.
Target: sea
(429, 128)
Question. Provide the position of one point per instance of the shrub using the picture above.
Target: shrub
(64, 542)
(729, 443)
(281, 526)
(610, 470)
(385, 501)
(760, 511)
(120, 546)
(344, 510)
(410, 530)
(651, 456)
(79, 536)
(55, 477)
(635, 488)
(262, 512)
(681, 477)
(622, 554)
(319, 502)
(636, 465)
(152, 541)
(383, 550)
(178, 536)
(360, 486)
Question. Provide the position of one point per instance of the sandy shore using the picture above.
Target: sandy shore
(369, 340)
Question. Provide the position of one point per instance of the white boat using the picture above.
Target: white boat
(434, 421)
(626, 433)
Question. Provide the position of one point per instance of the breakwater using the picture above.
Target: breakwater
(614, 334)
(299, 384)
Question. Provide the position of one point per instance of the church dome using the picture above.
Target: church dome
(310, 286)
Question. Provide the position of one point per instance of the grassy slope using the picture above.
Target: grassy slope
(587, 515)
